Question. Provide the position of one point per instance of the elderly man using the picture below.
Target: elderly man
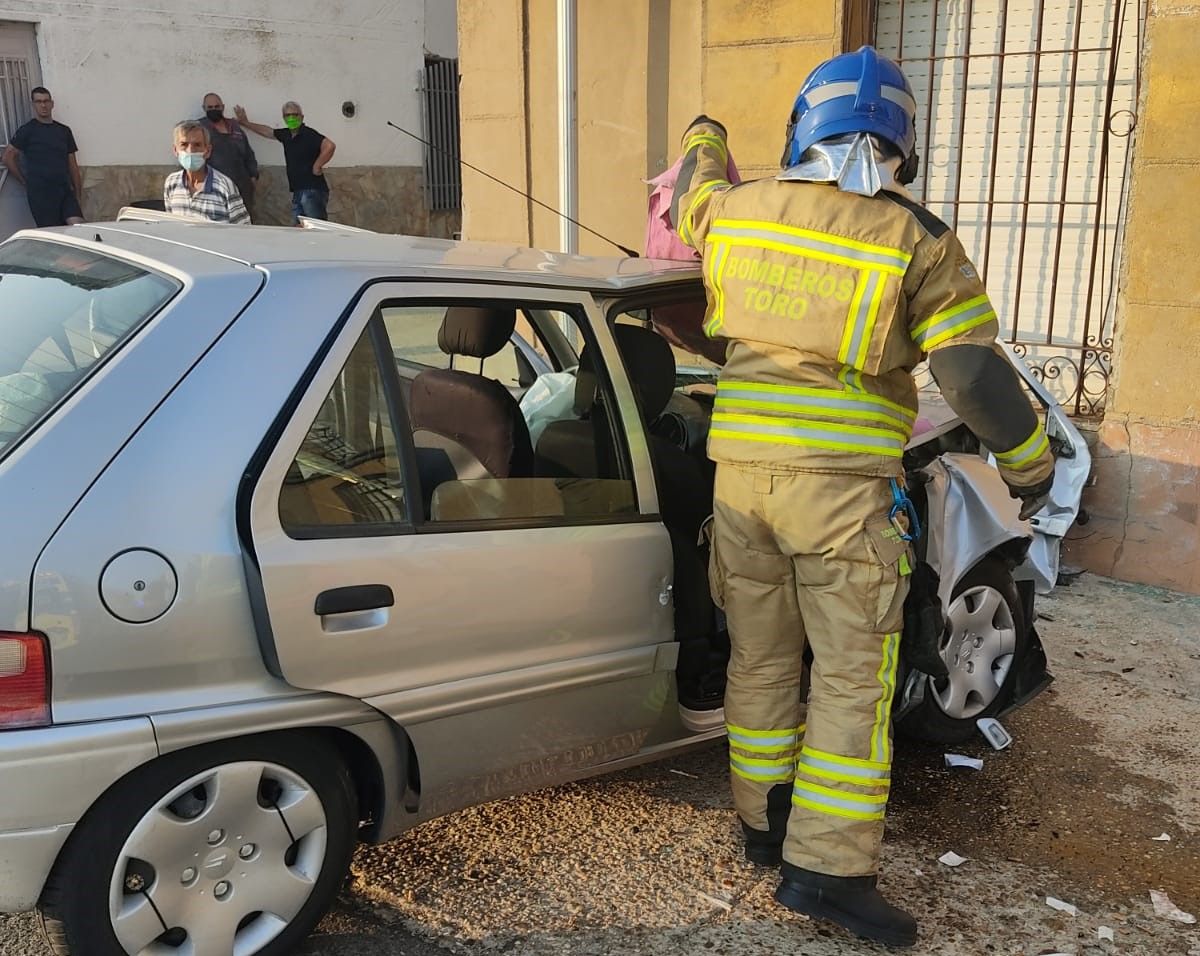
(41, 157)
(231, 150)
(198, 190)
(306, 153)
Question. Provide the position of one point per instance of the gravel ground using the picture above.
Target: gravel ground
(648, 861)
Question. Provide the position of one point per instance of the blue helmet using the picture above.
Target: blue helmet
(860, 92)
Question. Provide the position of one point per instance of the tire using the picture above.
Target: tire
(204, 838)
(983, 646)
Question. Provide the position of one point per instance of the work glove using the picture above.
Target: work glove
(708, 119)
(1033, 498)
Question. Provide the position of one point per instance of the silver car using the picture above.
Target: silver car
(314, 534)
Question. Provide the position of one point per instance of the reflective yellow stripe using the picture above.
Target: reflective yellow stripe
(860, 360)
(716, 268)
(851, 316)
(954, 321)
(863, 771)
(822, 807)
(792, 431)
(841, 777)
(1027, 453)
(685, 227)
(807, 392)
(881, 744)
(838, 802)
(853, 251)
(707, 139)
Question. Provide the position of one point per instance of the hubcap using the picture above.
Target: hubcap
(220, 865)
(978, 647)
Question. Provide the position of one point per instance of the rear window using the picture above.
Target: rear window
(63, 310)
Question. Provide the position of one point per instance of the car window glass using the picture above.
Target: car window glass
(347, 472)
(551, 452)
(414, 335)
(62, 311)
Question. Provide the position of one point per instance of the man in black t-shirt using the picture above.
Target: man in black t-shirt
(306, 153)
(41, 156)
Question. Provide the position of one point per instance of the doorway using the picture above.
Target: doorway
(20, 72)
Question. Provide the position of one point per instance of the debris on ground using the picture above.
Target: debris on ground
(994, 733)
(959, 760)
(1162, 838)
(1165, 908)
(950, 858)
(1105, 932)
(1056, 904)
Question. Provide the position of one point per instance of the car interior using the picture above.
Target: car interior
(513, 421)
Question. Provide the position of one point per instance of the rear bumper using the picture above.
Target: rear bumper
(49, 778)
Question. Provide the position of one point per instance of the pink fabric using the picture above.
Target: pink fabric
(682, 325)
(662, 242)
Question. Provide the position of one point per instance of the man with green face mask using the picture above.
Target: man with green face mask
(306, 153)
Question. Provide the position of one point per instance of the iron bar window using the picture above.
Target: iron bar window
(1026, 110)
(439, 97)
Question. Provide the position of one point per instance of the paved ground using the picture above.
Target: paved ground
(647, 861)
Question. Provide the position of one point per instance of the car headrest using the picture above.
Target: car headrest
(651, 367)
(476, 331)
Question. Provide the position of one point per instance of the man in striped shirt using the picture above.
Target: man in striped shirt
(198, 190)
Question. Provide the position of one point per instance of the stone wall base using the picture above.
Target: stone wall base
(381, 198)
(1144, 506)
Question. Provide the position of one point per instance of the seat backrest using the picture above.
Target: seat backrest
(466, 425)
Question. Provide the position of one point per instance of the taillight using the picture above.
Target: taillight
(24, 681)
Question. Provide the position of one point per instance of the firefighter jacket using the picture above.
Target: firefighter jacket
(829, 300)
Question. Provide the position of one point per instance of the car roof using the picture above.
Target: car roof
(402, 255)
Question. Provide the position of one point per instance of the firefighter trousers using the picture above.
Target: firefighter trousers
(811, 559)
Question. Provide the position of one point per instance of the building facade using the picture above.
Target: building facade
(1058, 137)
(123, 73)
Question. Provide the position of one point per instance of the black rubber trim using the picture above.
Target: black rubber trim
(931, 223)
(357, 597)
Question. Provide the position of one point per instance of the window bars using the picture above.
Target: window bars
(440, 127)
(1025, 115)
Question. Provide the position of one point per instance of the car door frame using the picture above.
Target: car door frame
(624, 690)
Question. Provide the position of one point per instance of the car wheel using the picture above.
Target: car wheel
(231, 849)
(984, 641)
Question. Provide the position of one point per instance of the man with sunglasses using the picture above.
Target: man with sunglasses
(306, 153)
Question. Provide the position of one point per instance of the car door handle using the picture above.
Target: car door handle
(359, 597)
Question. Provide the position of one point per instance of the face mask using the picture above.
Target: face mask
(192, 162)
(215, 116)
(292, 122)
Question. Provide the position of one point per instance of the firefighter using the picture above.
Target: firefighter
(830, 284)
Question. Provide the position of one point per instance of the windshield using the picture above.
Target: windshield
(62, 311)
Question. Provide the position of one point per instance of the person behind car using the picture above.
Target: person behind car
(831, 284)
(306, 153)
(232, 153)
(198, 190)
(41, 156)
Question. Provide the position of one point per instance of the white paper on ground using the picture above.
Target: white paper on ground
(1162, 838)
(1164, 907)
(723, 904)
(1056, 904)
(1105, 932)
(959, 760)
(950, 858)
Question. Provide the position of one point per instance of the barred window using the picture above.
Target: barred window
(443, 176)
(15, 108)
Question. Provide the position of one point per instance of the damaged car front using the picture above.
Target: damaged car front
(971, 644)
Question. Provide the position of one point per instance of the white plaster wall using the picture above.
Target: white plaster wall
(123, 72)
(441, 27)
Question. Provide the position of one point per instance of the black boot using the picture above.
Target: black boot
(765, 848)
(852, 902)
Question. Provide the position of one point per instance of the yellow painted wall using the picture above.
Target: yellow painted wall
(646, 68)
(1145, 505)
